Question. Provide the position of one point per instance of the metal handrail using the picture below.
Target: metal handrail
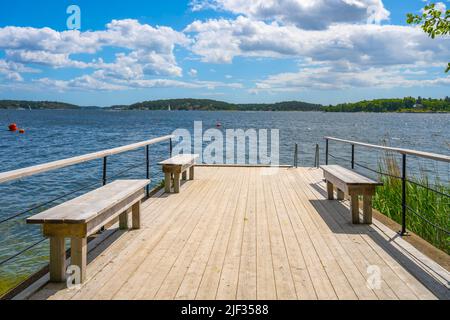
(49, 166)
(404, 179)
(422, 154)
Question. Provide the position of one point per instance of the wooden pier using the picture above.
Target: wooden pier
(253, 233)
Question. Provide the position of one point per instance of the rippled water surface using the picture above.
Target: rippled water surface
(54, 135)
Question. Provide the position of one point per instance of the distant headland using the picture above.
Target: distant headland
(406, 105)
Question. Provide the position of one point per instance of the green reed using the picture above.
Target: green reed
(432, 206)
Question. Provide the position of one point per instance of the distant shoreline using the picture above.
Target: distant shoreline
(265, 111)
(404, 105)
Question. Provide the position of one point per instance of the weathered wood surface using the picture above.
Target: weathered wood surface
(241, 233)
(87, 207)
(348, 176)
(180, 159)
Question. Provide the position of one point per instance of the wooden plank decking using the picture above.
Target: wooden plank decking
(254, 233)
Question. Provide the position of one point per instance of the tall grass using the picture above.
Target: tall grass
(433, 208)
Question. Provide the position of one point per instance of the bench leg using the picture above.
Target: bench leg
(367, 209)
(191, 173)
(354, 208)
(176, 183)
(78, 254)
(340, 194)
(184, 176)
(167, 181)
(123, 220)
(57, 259)
(136, 215)
(330, 190)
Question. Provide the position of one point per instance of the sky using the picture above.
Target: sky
(112, 52)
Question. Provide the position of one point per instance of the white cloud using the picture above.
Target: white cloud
(167, 83)
(331, 78)
(193, 72)
(138, 64)
(330, 39)
(151, 48)
(221, 40)
(95, 83)
(56, 60)
(149, 53)
(12, 70)
(342, 55)
(305, 14)
(85, 82)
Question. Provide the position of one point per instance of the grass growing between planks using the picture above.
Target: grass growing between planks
(434, 208)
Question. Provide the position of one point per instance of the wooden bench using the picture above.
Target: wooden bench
(177, 166)
(353, 184)
(81, 217)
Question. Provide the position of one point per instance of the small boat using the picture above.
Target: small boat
(218, 124)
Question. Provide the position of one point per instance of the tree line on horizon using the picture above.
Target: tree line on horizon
(408, 104)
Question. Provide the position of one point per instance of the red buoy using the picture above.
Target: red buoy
(12, 127)
(21, 130)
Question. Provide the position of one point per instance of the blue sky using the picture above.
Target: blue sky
(325, 51)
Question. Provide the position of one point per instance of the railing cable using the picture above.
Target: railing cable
(22, 251)
(125, 171)
(48, 202)
(428, 188)
(428, 221)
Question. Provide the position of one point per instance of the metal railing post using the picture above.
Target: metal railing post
(353, 156)
(296, 156)
(317, 158)
(318, 155)
(170, 147)
(105, 163)
(326, 151)
(147, 163)
(403, 232)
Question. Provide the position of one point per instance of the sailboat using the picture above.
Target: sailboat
(169, 109)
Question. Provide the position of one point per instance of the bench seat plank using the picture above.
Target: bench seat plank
(87, 207)
(181, 159)
(348, 176)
